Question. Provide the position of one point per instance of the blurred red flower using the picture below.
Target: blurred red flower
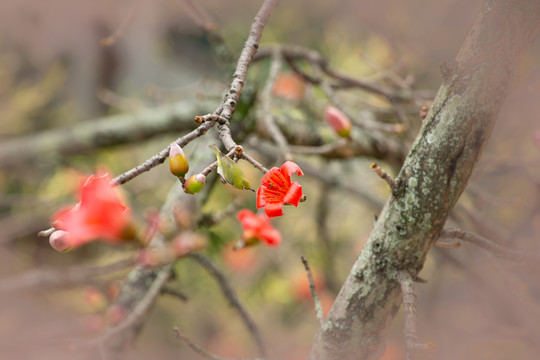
(257, 228)
(289, 86)
(100, 213)
(277, 189)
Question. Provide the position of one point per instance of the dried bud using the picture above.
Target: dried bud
(177, 161)
(338, 121)
(60, 240)
(194, 184)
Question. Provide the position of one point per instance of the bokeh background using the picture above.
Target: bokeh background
(55, 72)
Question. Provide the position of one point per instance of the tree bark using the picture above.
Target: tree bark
(431, 180)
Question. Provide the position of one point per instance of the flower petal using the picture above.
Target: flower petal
(273, 209)
(271, 236)
(249, 220)
(290, 168)
(294, 194)
(260, 197)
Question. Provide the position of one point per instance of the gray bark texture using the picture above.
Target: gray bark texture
(431, 180)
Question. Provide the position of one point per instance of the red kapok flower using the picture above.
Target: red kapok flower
(289, 86)
(99, 214)
(277, 189)
(258, 228)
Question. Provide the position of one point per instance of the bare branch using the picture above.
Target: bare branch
(438, 166)
(88, 136)
(203, 20)
(119, 32)
(409, 306)
(160, 157)
(175, 293)
(313, 291)
(231, 296)
(199, 349)
(320, 150)
(141, 309)
(214, 218)
(494, 248)
(384, 175)
(43, 278)
(244, 61)
(445, 245)
(266, 100)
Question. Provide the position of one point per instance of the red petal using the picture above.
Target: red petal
(260, 197)
(290, 168)
(273, 209)
(250, 221)
(294, 194)
(242, 214)
(271, 237)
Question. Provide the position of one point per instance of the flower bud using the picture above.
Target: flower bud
(60, 240)
(194, 184)
(338, 121)
(177, 161)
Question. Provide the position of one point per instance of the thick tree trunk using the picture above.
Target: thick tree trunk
(431, 180)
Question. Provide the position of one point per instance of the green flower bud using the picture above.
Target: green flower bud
(177, 161)
(194, 184)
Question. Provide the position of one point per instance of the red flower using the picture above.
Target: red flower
(289, 86)
(258, 228)
(99, 214)
(277, 189)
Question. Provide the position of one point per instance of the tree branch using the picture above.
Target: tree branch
(494, 248)
(431, 180)
(99, 133)
(231, 296)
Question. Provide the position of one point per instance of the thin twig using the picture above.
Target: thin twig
(142, 307)
(494, 248)
(366, 123)
(199, 119)
(173, 292)
(119, 32)
(232, 297)
(214, 218)
(384, 175)
(199, 349)
(409, 306)
(267, 117)
(46, 233)
(161, 156)
(113, 99)
(246, 56)
(320, 150)
(86, 137)
(322, 216)
(445, 245)
(203, 20)
(254, 162)
(313, 291)
(296, 52)
(60, 276)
